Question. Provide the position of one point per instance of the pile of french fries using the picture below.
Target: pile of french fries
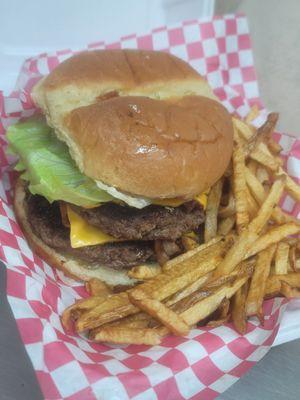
(250, 252)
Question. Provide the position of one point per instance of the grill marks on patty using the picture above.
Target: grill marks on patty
(138, 228)
(150, 223)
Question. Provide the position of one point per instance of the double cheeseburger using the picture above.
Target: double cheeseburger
(117, 170)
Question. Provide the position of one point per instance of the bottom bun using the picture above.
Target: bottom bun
(72, 267)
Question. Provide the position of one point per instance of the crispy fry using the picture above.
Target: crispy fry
(188, 290)
(245, 131)
(162, 286)
(292, 278)
(95, 287)
(229, 210)
(292, 258)
(267, 207)
(213, 244)
(239, 188)
(291, 186)
(273, 286)
(226, 225)
(73, 312)
(206, 306)
(273, 146)
(253, 113)
(274, 235)
(213, 202)
(113, 307)
(238, 312)
(262, 175)
(251, 203)
(287, 291)
(221, 315)
(144, 272)
(125, 335)
(189, 243)
(262, 155)
(160, 312)
(258, 283)
(252, 166)
(259, 194)
(282, 258)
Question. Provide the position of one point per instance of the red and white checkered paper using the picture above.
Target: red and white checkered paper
(199, 366)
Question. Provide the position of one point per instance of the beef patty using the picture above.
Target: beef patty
(45, 221)
(150, 223)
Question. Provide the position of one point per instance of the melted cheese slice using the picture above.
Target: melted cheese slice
(84, 234)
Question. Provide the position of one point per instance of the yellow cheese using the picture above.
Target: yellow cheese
(201, 198)
(84, 234)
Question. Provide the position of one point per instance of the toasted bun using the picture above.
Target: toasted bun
(71, 267)
(162, 135)
(153, 148)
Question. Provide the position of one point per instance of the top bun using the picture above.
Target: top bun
(144, 122)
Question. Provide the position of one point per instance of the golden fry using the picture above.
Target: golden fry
(274, 235)
(238, 312)
(282, 258)
(258, 282)
(262, 175)
(119, 335)
(291, 186)
(273, 286)
(245, 131)
(160, 312)
(144, 272)
(287, 291)
(95, 287)
(189, 243)
(262, 155)
(213, 202)
(253, 113)
(226, 225)
(239, 188)
(229, 210)
(267, 207)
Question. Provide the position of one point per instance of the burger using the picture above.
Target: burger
(117, 166)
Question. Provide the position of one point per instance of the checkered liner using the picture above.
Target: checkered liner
(201, 365)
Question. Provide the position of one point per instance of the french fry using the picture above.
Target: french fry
(282, 258)
(226, 225)
(189, 243)
(287, 291)
(239, 188)
(292, 278)
(262, 174)
(253, 113)
(259, 194)
(229, 210)
(273, 286)
(95, 287)
(160, 312)
(274, 235)
(238, 312)
(206, 306)
(119, 335)
(113, 307)
(213, 202)
(262, 155)
(73, 312)
(144, 272)
(274, 147)
(291, 186)
(162, 286)
(208, 247)
(244, 130)
(188, 290)
(258, 283)
(222, 315)
(252, 166)
(267, 207)
(251, 204)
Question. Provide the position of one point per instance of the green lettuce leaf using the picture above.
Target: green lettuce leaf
(48, 166)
